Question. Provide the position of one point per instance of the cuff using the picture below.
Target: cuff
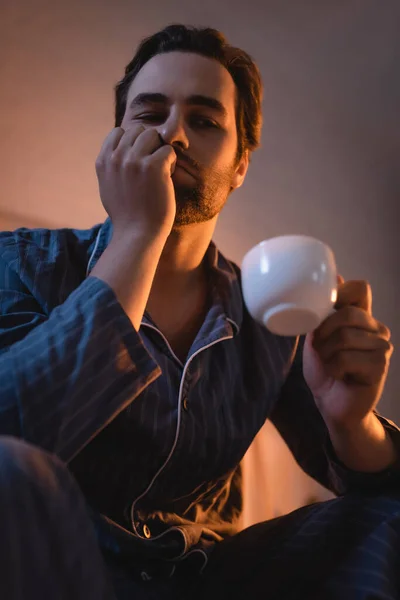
(345, 480)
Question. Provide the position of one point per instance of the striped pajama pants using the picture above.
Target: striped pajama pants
(346, 548)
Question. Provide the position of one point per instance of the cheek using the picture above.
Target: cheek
(226, 147)
(126, 123)
(214, 152)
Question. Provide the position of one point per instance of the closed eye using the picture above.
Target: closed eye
(150, 117)
(198, 121)
(205, 122)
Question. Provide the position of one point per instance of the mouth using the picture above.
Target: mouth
(183, 167)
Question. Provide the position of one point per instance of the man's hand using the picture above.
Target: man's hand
(346, 359)
(345, 364)
(134, 173)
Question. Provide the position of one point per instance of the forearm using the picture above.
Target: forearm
(73, 373)
(128, 266)
(365, 447)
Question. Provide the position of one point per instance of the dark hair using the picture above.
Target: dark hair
(213, 44)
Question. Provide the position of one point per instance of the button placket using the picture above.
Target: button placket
(185, 391)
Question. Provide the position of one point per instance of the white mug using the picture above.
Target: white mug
(290, 283)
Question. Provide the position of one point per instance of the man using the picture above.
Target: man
(133, 379)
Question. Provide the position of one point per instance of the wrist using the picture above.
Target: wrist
(364, 445)
(128, 266)
(139, 238)
(352, 426)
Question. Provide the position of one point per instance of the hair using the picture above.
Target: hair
(212, 44)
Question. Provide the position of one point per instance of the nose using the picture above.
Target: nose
(173, 132)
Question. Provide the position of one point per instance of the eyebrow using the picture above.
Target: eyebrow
(195, 100)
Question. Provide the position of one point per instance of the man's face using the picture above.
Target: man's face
(190, 100)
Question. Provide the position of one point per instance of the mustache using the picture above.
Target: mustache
(183, 158)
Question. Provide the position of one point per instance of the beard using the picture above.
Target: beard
(205, 199)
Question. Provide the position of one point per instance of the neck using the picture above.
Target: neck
(181, 262)
(179, 295)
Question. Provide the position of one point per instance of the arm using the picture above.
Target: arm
(128, 266)
(64, 377)
(366, 446)
(301, 425)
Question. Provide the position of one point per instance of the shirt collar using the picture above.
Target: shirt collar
(226, 279)
(225, 275)
(100, 243)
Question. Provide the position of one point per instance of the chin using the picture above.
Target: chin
(187, 218)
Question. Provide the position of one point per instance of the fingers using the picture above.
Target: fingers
(118, 145)
(350, 316)
(109, 145)
(146, 145)
(126, 142)
(352, 339)
(353, 346)
(143, 143)
(166, 156)
(355, 293)
(359, 367)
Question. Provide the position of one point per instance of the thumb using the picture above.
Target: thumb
(340, 279)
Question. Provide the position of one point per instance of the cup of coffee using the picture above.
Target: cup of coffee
(290, 283)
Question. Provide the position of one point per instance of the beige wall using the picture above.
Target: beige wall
(329, 165)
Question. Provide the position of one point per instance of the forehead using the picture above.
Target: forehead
(179, 75)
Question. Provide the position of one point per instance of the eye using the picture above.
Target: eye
(151, 117)
(198, 121)
(204, 122)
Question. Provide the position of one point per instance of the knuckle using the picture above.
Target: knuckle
(114, 159)
(379, 360)
(380, 366)
(389, 348)
(145, 133)
(363, 286)
(149, 163)
(351, 314)
(127, 162)
(385, 331)
(384, 344)
(366, 291)
(99, 164)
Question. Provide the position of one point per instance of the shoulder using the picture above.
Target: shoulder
(46, 244)
(40, 259)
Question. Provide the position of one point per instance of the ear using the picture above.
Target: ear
(241, 170)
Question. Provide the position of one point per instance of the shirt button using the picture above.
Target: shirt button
(146, 531)
(185, 403)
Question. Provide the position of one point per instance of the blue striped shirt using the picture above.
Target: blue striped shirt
(155, 444)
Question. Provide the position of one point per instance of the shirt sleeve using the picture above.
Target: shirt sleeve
(301, 425)
(64, 377)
